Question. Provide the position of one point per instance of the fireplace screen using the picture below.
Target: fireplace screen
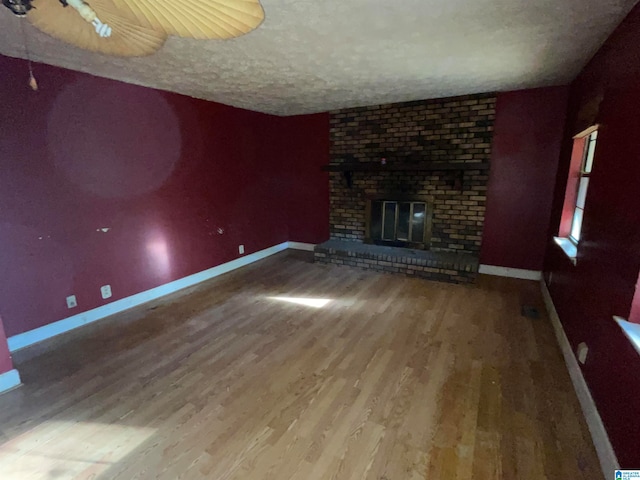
(399, 223)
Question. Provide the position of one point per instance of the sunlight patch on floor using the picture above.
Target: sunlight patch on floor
(66, 450)
(308, 302)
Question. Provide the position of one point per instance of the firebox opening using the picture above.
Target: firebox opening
(399, 222)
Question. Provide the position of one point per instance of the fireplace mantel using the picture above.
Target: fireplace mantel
(457, 168)
(395, 167)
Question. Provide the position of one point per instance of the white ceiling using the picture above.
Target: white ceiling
(317, 55)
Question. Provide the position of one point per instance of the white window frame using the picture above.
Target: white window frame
(584, 175)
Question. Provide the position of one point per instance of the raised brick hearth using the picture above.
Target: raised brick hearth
(444, 266)
(440, 132)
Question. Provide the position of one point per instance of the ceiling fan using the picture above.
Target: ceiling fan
(133, 28)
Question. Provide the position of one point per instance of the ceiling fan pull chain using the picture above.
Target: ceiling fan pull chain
(33, 83)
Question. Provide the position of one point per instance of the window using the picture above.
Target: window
(583, 184)
(582, 156)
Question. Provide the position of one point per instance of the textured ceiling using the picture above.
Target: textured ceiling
(317, 55)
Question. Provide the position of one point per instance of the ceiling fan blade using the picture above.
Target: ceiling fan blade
(131, 37)
(204, 19)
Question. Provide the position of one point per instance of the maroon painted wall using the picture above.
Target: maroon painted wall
(179, 183)
(524, 159)
(5, 359)
(603, 282)
(305, 140)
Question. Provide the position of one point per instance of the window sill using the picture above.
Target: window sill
(568, 247)
(631, 330)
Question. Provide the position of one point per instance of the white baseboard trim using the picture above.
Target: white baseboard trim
(9, 380)
(606, 454)
(510, 272)
(45, 332)
(308, 247)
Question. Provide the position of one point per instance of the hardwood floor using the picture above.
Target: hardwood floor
(393, 379)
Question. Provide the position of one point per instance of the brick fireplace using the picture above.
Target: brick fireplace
(418, 161)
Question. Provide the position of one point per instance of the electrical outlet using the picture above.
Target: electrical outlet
(71, 301)
(105, 290)
(582, 352)
(241, 249)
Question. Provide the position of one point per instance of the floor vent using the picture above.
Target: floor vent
(530, 311)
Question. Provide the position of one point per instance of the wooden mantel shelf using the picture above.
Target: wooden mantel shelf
(457, 169)
(403, 166)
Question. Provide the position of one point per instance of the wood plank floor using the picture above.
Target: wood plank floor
(393, 379)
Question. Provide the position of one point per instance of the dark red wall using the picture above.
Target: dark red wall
(603, 282)
(306, 142)
(5, 359)
(524, 160)
(179, 182)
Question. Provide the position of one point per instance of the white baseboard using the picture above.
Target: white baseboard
(31, 337)
(308, 247)
(510, 272)
(9, 380)
(606, 454)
